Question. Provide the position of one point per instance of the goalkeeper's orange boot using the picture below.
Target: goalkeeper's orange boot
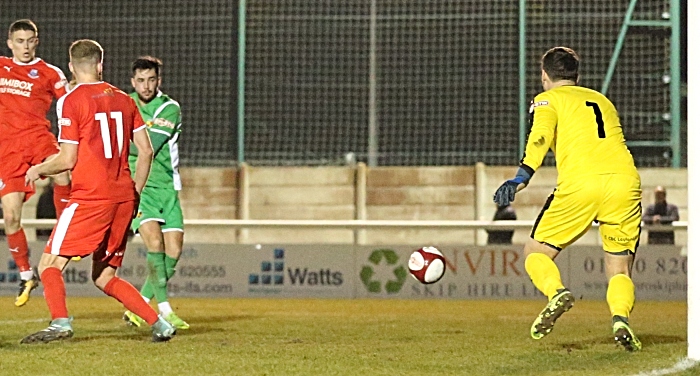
(544, 323)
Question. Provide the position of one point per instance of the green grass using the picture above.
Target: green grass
(344, 337)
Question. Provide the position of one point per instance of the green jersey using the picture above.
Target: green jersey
(162, 116)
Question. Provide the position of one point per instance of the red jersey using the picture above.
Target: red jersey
(101, 120)
(26, 93)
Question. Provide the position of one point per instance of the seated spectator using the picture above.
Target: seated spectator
(503, 213)
(660, 213)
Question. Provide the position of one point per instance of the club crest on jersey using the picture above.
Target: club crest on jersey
(33, 73)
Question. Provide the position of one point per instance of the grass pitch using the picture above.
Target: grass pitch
(345, 337)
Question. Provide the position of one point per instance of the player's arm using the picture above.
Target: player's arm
(671, 216)
(144, 160)
(648, 216)
(164, 126)
(539, 141)
(143, 147)
(65, 160)
(59, 83)
(69, 116)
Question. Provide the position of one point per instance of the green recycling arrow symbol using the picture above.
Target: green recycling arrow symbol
(375, 286)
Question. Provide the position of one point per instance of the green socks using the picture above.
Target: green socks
(156, 283)
(170, 266)
(161, 268)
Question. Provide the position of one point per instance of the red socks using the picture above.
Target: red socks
(127, 294)
(123, 291)
(19, 250)
(55, 292)
(61, 193)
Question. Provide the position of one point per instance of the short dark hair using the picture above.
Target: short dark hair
(146, 63)
(561, 63)
(23, 24)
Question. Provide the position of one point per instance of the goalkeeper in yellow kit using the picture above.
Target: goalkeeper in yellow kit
(597, 181)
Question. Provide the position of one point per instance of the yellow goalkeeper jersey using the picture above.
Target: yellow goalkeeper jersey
(582, 128)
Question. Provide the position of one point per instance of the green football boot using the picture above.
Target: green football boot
(624, 336)
(544, 323)
(177, 322)
(133, 319)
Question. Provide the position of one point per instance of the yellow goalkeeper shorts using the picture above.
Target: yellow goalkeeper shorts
(614, 200)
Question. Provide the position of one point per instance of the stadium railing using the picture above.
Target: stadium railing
(356, 225)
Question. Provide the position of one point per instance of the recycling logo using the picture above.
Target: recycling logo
(369, 276)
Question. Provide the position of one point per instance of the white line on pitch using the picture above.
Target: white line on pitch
(682, 365)
(4, 322)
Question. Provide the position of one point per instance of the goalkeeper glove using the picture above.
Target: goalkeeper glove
(505, 194)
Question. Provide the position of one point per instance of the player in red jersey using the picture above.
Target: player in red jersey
(28, 85)
(96, 122)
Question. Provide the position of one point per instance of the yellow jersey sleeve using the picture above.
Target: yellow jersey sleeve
(542, 132)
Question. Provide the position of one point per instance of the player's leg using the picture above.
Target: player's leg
(544, 273)
(147, 226)
(81, 229)
(540, 266)
(152, 236)
(173, 249)
(620, 229)
(173, 236)
(620, 297)
(61, 191)
(17, 242)
(173, 230)
(104, 277)
(156, 281)
(45, 148)
(104, 268)
(50, 268)
(565, 217)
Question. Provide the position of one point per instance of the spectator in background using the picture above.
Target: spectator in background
(660, 213)
(503, 213)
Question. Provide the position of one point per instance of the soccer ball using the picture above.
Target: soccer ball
(427, 265)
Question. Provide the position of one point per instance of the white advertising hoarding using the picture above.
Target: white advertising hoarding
(346, 271)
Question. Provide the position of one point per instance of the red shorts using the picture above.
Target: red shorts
(18, 154)
(91, 228)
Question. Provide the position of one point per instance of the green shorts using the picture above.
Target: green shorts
(161, 205)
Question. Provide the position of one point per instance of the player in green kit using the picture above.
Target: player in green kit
(159, 219)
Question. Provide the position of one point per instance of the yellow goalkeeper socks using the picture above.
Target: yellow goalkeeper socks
(544, 274)
(620, 295)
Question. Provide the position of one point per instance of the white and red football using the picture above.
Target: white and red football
(427, 265)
